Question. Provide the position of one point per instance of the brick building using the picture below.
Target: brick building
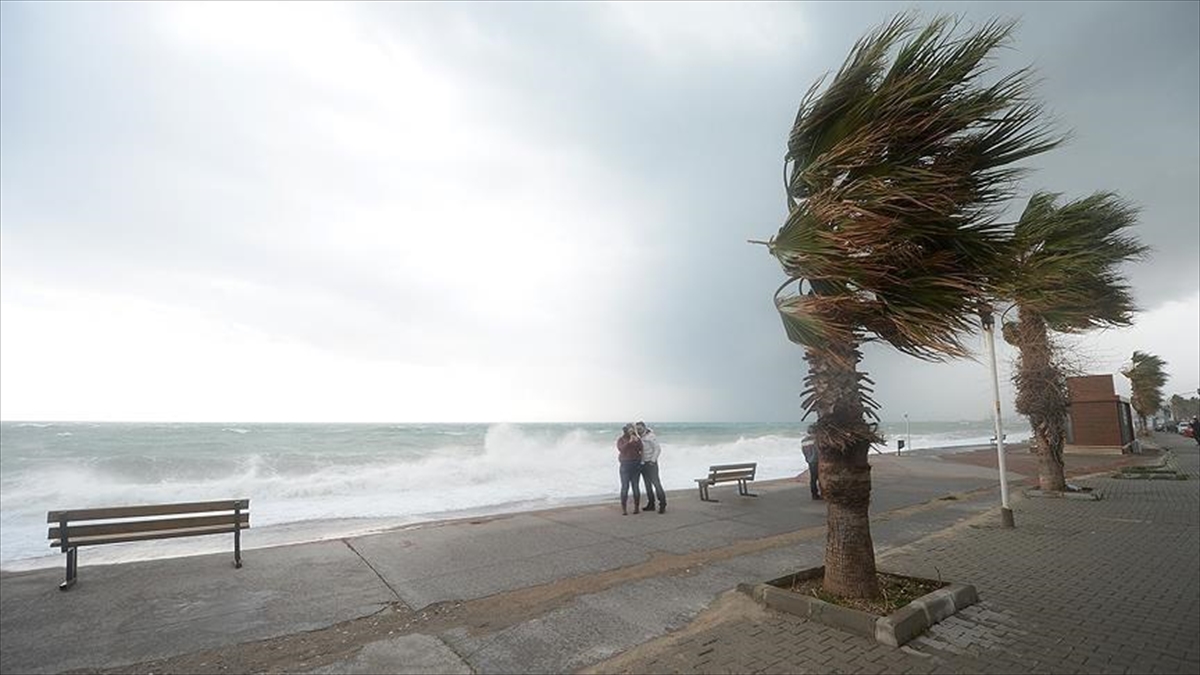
(1097, 416)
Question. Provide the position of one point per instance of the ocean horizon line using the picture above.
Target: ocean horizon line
(902, 420)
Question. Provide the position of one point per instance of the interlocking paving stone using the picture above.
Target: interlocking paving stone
(1110, 586)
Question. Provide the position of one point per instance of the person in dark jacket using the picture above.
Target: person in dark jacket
(1195, 424)
(629, 452)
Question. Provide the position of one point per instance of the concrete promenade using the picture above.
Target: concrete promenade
(1110, 586)
(585, 588)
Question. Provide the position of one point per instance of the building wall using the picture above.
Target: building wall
(1096, 423)
(1091, 388)
(1096, 412)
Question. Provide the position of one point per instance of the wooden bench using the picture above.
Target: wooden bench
(728, 473)
(143, 523)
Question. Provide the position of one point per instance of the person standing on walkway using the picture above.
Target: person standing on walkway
(1195, 425)
(629, 453)
(650, 454)
(813, 456)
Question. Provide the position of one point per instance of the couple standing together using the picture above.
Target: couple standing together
(638, 450)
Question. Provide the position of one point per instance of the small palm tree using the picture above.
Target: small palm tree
(1146, 378)
(1063, 278)
(892, 174)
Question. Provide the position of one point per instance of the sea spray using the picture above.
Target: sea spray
(311, 481)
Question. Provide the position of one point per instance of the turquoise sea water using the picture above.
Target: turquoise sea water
(312, 481)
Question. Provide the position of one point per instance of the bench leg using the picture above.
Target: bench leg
(706, 497)
(744, 489)
(237, 548)
(72, 567)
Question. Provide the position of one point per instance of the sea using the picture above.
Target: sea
(310, 482)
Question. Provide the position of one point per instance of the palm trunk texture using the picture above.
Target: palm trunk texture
(1042, 396)
(844, 439)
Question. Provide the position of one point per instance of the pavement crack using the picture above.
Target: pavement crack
(372, 567)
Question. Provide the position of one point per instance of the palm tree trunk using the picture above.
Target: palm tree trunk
(1048, 444)
(844, 439)
(1042, 396)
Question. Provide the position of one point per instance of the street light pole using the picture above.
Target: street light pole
(989, 336)
(907, 434)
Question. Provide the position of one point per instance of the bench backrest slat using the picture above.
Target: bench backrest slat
(128, 527)
(722, 473)
(724, 467)
(730, 476)
(164, 534)
(148, 510)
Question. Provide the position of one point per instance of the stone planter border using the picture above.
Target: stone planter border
(894, 630)
(1086, 494)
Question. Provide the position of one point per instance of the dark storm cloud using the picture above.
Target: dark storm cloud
(687, 125)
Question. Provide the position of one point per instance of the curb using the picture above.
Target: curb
(893, 630)
(1089, 496)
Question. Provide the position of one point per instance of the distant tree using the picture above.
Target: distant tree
(1146, 379)
(1063, 278)
(1184, 408)
(893, 173)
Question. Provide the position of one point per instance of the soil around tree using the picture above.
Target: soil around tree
(895, 592)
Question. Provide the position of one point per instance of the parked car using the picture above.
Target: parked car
(1184, 429)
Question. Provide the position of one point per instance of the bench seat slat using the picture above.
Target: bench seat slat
(164, 534)
(147, 510)
(133, 527)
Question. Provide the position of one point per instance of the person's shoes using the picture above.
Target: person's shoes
(624, 512)
(636, 510)
(648, 507)
(662, 508)
(818, 498)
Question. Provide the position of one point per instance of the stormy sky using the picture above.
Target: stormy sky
(498, 212)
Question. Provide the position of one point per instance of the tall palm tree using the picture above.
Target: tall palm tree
(893, 173)
(1064, 278)
(1146, 378)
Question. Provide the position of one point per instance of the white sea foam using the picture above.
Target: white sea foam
(307, 483)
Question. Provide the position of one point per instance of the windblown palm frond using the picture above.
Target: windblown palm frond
(1066, 268)
(1146, 378)
(893, 175)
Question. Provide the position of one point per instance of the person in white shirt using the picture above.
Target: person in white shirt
(811, 455)
(650, 453)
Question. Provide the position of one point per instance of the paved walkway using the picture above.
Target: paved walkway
(584, 588)
(1111, 586)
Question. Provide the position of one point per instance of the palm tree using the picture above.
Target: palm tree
(1146, 378)
(1063, 278)
(893, 173)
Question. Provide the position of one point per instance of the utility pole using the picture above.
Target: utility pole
(989, 336)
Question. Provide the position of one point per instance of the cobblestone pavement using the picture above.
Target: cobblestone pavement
(1109, 586)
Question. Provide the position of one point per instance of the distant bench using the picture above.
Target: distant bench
(139, 523)
(742, 474)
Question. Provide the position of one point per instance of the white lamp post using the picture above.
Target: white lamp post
(907, 434)
(989, 336)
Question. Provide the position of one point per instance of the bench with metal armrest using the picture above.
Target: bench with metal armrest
(742, 474)
(143, 523)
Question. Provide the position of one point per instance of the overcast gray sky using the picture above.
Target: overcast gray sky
(492, 212)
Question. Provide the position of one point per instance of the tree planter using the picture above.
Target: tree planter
(894, 629)
(1151, 474)
(1079, 493)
